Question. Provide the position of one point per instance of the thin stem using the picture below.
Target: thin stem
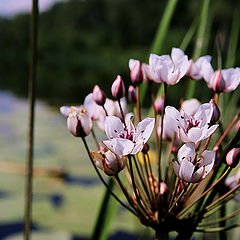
(103, 181)
(123, 117)
(135, 188)
(226, 132)
(105, 110)
(204, 193)
(141, 179)
(161, 135)
(31, 93)
(138, 103)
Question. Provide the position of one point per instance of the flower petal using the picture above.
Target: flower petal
(119, 146)
(144, 130)
(113, 127)
(186, 170)
(186, 151)
(195, 134)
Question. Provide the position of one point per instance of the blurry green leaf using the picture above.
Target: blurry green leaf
(199, 43)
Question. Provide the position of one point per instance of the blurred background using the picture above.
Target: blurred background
(80, 43)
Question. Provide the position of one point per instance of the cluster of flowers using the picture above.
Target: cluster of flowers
(158, 202)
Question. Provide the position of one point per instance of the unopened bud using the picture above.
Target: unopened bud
(233, 157)
(136, 71)
(217, 81)
(158, 105)
(79, 122)
(98, 95)
(163, 188)
(216, 112)
(132, 94)
(118, 88)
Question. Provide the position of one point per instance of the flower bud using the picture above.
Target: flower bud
(217, 81)
(136, 71)
(99, 96)
(109, 162)
(118, 88)
(158, 105)
(132, 94)
(163, 188)
(216, 112)
(233, 157)
(79, 122)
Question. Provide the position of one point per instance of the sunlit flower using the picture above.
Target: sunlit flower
(192, 128)
(168, 69)
(124, 140)
(225, 80)
(118, 88)
(108, 161)
(98, 95)
(191, 167)
(190, 106)
(79, 122)
(233, 157)
(136, 71)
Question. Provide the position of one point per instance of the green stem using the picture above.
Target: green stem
(31, 93)
(102, 216)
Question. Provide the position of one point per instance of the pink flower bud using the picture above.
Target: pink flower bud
(216, 112)
(163, 188)
(233, 157)
(98, 95)
(136, 71)
(217, 82)
(118, 88)
(158, 105)
(79, 122)
(132, 94)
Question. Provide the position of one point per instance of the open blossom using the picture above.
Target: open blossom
(192, 128)
(190, 106)
(79, 122)
(168, 69)
(124, 140)
(108, 161)
(225, 80)
(192, 167)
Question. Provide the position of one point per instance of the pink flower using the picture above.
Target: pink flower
(192, 128)
(132, 94)
(99, 96)
(225, 80)
(118, 88)
(168, 69)
(190, 106)
(192, 167)
(127, 140)
(108, 161)
(136, 71)
(79, 122)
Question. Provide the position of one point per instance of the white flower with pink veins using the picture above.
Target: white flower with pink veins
(126, 139)
(167, 69)
(192, 167)
(193, 128)
(225, 80)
